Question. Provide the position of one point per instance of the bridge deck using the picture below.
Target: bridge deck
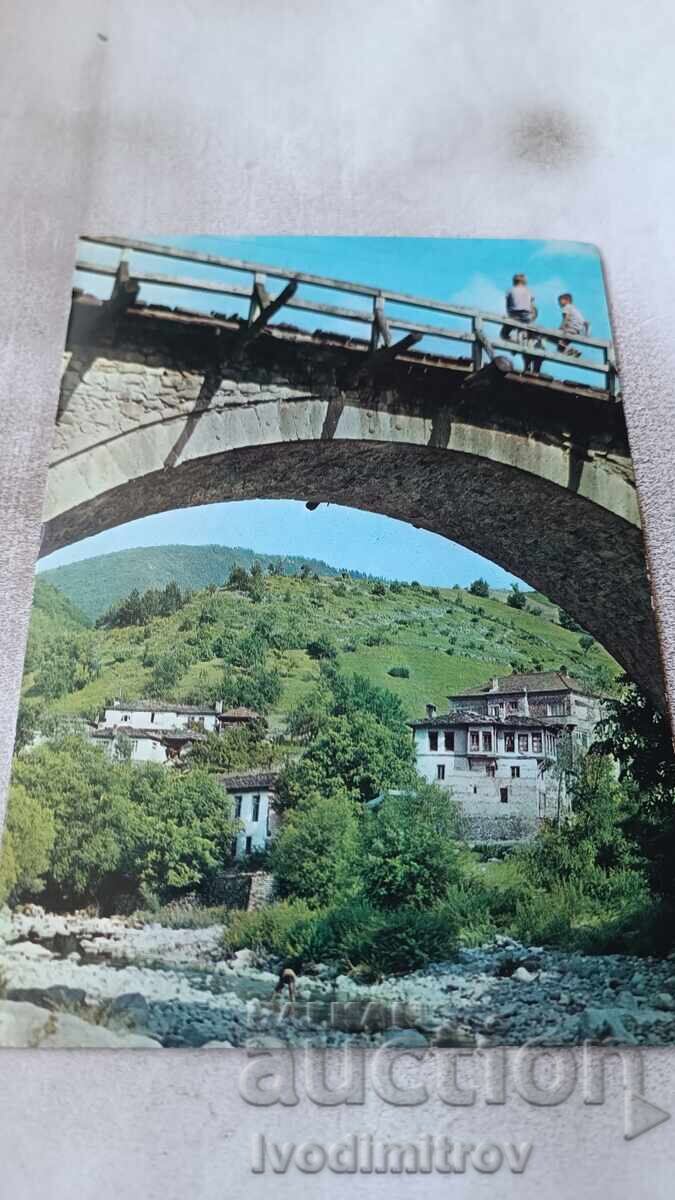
(536, 344)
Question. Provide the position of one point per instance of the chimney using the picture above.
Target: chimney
(525, 704)
(431, 711)
(494, 687)
(219, 706)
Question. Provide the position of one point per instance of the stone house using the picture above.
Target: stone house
(497, 749)
(547, 694)
(252, 794)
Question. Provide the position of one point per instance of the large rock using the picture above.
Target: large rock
(28, 950)
(53, 998)
(405, 1039)
(130, 1009)
(605, 1022)
(24, 1025)
(522, 975)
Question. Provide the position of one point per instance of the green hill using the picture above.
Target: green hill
(94, 584)
(436, 641)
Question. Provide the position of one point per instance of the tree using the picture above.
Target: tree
(26, 845)
(637, 735)
(355, 753)
(169, 669)
(586, 641)
(184, 831)
(480, 587)
(95, 825)
(409, 849)
(592, 839)
(314, 857)
(516, 598)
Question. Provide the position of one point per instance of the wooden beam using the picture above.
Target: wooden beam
(252, 331)
(378, 358)
(125, 290)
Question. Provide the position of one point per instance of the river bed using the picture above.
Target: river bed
(82, 980)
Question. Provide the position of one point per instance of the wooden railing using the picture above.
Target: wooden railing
(382, 322)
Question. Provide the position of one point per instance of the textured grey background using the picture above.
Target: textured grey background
(501, 118)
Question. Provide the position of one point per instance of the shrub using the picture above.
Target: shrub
(378, 589)
(283, 929)
(409, 940)
(399, 672)
(480, 587)
(322, 647)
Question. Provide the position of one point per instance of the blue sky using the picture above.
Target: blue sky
(474, 273)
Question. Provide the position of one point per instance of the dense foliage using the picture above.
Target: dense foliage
(102, 831)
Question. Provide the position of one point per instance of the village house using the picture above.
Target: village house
(162, 733)
(252, 794)
(497, 750)
(156, 732)
(546, 694)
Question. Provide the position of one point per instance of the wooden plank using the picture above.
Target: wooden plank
(583, 364)
(320, 281)
(256, 327)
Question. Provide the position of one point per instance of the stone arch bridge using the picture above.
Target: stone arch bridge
(165, 408)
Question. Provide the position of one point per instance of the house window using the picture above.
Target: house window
(249, 845)
(233, 847)
(126, 717)
(504, 795)
(513, 706)
(134, 745)
(237, 805)
(515, 772)
(523, 743)
(152, 718)
(487, 741)
(494, 710)
(490, 769)
(475, 790)
(474, 740)
(255, 815)
(440, 772)
(510, 743)
(433, 740)
(450, 741)
(536, 743)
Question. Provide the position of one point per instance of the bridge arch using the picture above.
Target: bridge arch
(161, 411)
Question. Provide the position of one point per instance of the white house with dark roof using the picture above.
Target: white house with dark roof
(497, 748)
(157, 732)
(252, 793)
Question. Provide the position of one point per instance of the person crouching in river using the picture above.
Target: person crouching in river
(287, 979)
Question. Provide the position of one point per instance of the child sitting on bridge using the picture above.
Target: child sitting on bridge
(573, 323)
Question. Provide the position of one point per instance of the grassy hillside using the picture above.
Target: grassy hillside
(446, 640)
(96, 583)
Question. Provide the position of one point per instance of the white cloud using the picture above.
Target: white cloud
(480, 292)
(566, 250)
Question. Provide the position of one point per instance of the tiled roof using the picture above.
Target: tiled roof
(154, 734)
(239, 714)
(532, 681)
(249, 781)
(161, 707)
(464, 716)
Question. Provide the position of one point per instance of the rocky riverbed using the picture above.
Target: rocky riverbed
(88, 981)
